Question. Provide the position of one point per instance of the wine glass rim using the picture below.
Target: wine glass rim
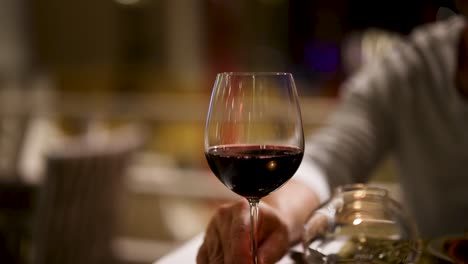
(253, 73)
(353, 187)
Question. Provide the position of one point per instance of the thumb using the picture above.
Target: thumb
(273, 248)
(273, 236)
(237, 246)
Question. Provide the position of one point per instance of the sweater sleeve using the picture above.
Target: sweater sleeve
(358, 134)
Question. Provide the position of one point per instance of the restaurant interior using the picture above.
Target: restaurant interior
(103, 107)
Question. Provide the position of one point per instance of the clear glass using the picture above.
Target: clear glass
(254, 139)
(361, 224)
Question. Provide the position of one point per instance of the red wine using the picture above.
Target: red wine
(254, 171)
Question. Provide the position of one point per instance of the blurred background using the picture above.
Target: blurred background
(103, 103)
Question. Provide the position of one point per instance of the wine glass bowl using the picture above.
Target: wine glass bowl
(253, 171)
(254, 140)
(361, 224)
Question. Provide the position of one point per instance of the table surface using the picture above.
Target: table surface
(187, 254)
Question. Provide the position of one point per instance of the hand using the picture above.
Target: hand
(227, 238)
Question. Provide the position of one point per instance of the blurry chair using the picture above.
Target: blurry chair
(76, 216)
(16, 197)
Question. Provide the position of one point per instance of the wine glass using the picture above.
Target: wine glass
(254, 139)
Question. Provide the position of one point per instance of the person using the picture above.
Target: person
(412, 104)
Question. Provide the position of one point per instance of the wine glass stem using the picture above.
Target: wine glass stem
(253, 224)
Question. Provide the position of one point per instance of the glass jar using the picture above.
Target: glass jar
(360, 224)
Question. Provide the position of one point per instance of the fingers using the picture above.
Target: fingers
(274, 237)
(202, 256)
(236, 243)
(227, 236)
(273, 248)
(210, 250)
